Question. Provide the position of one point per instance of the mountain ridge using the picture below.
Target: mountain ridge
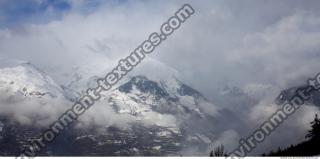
(163, 108)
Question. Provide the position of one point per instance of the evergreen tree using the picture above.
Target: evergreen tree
(314, 133)
(310, 147)
(218, 152)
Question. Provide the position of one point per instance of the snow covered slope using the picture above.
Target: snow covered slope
(167, 114)
(141, 96)
(28, 95)
(26, 79)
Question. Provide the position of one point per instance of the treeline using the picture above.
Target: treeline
(310, 147)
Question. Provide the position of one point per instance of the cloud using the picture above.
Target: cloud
(246, 44)
(228, 139)
(36, 112)
(15, 13)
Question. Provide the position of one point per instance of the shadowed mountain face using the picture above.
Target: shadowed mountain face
(161, 96)
(288, 94)
(144, 85)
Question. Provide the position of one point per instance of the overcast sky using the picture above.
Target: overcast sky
(225, 42)
(245, 43)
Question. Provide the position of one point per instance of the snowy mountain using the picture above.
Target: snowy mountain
(141, 95)
(175, 115)
(26, 79)
(145, 114)
(288, 94)
(166, 115)
(160, 115)
(28, 95)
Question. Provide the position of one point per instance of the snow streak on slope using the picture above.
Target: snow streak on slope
(141, 95)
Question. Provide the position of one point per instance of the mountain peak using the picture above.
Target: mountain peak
(164, 88)
(144, 85)
(23, 77)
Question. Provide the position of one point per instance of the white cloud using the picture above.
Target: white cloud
(239, 43)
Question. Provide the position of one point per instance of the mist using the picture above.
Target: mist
(260, 47)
